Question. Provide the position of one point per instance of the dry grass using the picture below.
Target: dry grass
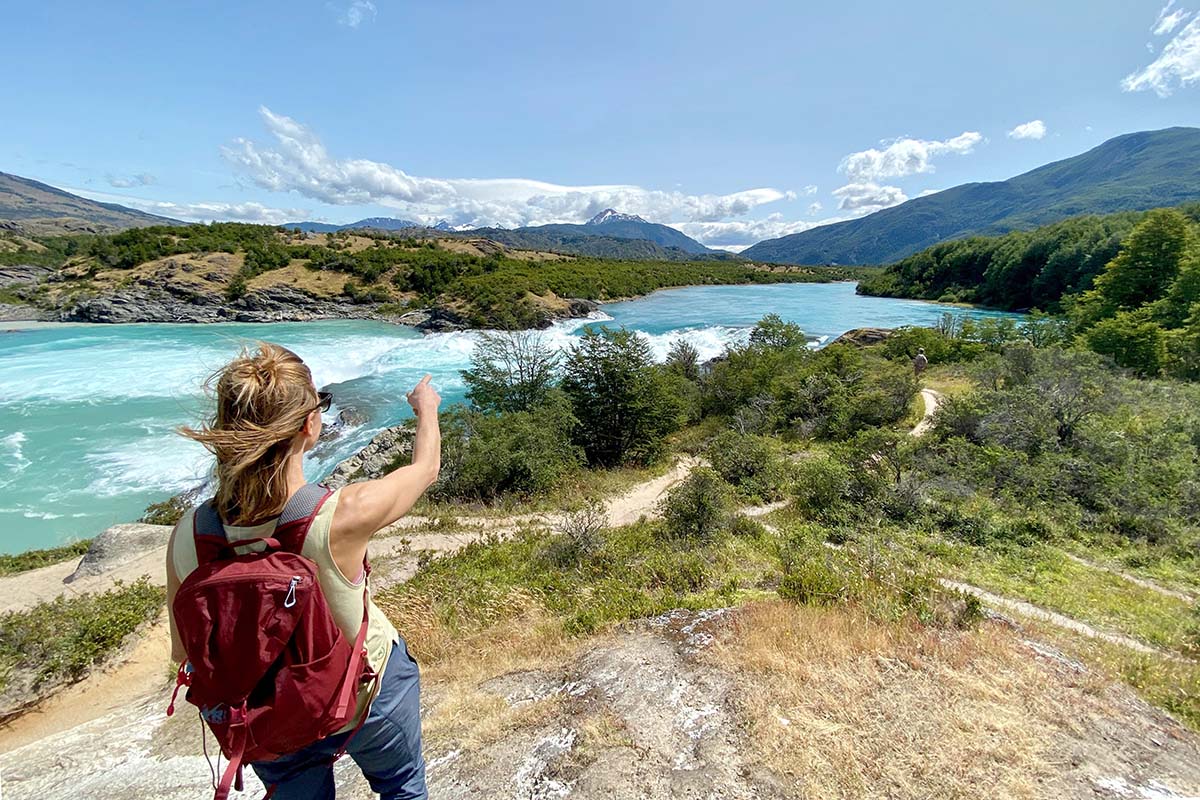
(950, 379)
(454, 666)
(318, 283)
(538, 255)
(841, 707)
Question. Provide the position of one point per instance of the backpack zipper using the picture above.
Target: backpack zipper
(290, 600)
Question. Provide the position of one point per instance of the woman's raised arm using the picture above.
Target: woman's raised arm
(363, 508)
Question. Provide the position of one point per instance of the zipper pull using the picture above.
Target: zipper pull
(290, 600)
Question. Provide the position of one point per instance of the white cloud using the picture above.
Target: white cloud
(1034, 129)
(202, 212)
(905, 156)
(1168, 20)
(128, 182)
(815, 208)
(298, 161)
(927, 192)
(811, 189)
(357, 13)
(1177, 64)
(867, 197)
(743, 233)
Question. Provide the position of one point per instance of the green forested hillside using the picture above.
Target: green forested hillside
(1129, 284)
(1136, 171)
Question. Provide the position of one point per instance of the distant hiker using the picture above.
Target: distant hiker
(920, 362)
(281, 646)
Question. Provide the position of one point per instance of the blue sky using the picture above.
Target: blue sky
(732, 121)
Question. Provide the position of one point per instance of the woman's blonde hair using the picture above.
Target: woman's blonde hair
(263, 399)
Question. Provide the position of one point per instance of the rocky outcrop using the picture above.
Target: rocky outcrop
(120, 545)
(374, 460)
(152, 301)
(22, 274)
(436, 320)
(864, 337)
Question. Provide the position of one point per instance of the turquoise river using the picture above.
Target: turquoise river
(88, 412)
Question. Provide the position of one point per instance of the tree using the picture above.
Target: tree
(684, 358)
(623, 405)
(510, 371)
(1132, 340)
(1174, 309)
(772, 332)
(1146, 266)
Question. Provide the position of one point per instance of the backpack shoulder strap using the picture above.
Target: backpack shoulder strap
(212, 541)
(297, 517)
(208, 533)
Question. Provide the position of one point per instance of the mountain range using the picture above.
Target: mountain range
(374, 223)
(1133, 172)
(574, 238)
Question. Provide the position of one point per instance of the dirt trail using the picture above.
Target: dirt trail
(1058, 620)
(932, 398)
(1134, 579)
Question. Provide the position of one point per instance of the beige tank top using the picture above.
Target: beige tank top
(344, 596)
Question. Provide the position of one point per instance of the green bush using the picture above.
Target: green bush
(821, 488)
(697, 508)
(61, 639)
(752, 464)
(939, 346)
(488, 456)
(826, 394)
(622, 400)
(167, 512)
(34, 559)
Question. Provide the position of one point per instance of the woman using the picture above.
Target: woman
(268, 416)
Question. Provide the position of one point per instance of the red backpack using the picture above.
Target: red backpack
(267, 664)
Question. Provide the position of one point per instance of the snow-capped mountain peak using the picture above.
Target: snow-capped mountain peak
(612, 215)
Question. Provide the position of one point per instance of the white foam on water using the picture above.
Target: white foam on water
(12, 449)
(162, 463)
(709, 342)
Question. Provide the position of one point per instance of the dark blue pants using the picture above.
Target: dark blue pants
(387, 748)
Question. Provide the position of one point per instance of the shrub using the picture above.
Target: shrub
(821, 488)
(167, 512)
(33, 559)
(750, 463)
(744, 527)
(697, 508)
(487, 456)
(684, 359)
(63, 638)
(940, 347)
(580, 534)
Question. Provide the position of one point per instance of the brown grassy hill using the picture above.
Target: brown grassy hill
(35, 208)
